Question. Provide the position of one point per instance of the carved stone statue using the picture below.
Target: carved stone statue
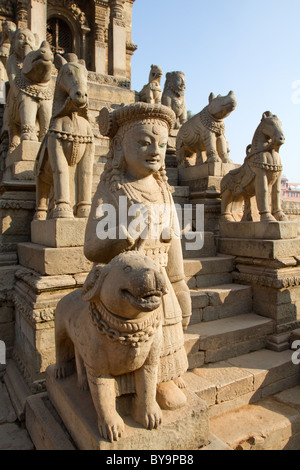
(68, 147)
(8, 30)
(173, 96)
(259, 176)
(203, 135)
(135, 175)
(112, 328)
(152, 93)
(30, 96)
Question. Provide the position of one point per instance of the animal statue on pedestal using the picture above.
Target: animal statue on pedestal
(202, 138)
(152, 93)
(67, 152)
(173, 96)
(113, 327)
(259, 176)
(29, 100)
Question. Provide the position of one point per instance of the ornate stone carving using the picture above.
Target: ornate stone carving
(203, 135)
(30, 97)
(67, 146)
(6, 8)
(72, 7)
(151, 93)
(173, 96)
(120, 311)
(259, 176)
(136, 170)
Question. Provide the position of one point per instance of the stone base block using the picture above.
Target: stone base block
(23, 170)
(58, 233)
(266, 249)
(205, 179)
(52, 261)
(183, 429)
(259, 230)
(26, 152)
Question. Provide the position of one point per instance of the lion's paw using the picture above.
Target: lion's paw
(111, 429)
(149, 417)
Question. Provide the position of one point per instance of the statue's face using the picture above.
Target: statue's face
(144, 149)
(24, 42)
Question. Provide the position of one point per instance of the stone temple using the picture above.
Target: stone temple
(149, 285)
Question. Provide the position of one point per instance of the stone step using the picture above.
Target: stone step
(243, 380)
(210, 271)
(196, 245)
(223, 301)
(272, 423)
(219, 340)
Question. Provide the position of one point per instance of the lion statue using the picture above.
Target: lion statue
(29, 102)
(112, 327)
(152, 93)
(202, 138)
(173, 96)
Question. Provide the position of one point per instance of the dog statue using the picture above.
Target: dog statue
(152, 93)
(113, 327)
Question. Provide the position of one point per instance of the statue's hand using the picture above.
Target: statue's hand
(184, 298)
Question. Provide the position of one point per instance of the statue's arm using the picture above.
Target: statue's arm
(175, 271)
(100, 246)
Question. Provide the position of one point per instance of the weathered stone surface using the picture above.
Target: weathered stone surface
(179, 431)
(259, 230)
(58, 233)
(13, 437)
(229, 381)
(25, 152)
(53, 261)
(44, 426)
(266, 249)
(268, 425)
(7, 413)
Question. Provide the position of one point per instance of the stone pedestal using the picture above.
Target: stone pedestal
(183, 429)
(268, 259)
(48, 270)
(20, 163)
(204, 182)
(17, 204)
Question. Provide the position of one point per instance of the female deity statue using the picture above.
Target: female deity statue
(135, 173)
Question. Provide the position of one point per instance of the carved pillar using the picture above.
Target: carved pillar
(101, 12)
(37, 17)
(118, 36)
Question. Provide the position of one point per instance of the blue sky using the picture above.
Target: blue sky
(252, 48)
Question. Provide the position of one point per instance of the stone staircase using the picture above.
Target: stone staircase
(252, 393)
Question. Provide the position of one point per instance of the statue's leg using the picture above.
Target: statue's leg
(146, 410)
(262, 195)
(85, 181)
(28, 113)
(222, 148)
(110, 423)
(42, 198)
(276, 201)
(61, 185)
(81, 372)
(44, 116)
(226, 214)
(210, 143)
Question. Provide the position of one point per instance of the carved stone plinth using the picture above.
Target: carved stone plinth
(53, 261)
(205, 178)
(20, 163)
(35, 298)
(259, 230)
(182, 429)
(58, 233)
(272, 268)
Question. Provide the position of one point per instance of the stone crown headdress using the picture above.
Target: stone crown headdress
(110, 122)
